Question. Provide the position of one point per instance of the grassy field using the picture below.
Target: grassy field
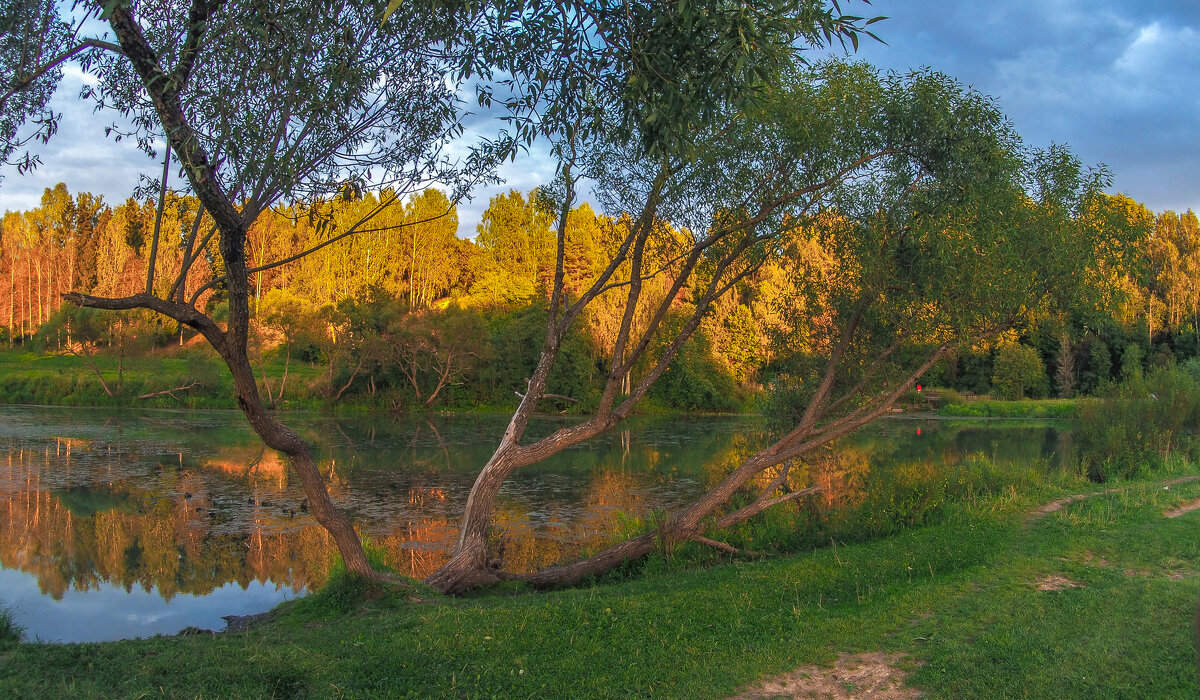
(68, 380)
(1093, 600)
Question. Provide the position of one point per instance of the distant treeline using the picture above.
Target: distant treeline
(403, 313)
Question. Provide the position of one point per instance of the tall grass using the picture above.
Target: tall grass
(10, 631)
(1141, 424)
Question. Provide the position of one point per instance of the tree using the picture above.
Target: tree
(941, 231)
(1064, 374)
(259, 102)
(518, 248)
(435, 350)
(1018, 369)
(667, 105)
(428, 248)
(30, 36)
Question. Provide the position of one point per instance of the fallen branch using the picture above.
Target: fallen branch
(549, 396)
(169, 392)
(727, 548)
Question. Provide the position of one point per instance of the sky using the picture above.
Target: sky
(1116, 80)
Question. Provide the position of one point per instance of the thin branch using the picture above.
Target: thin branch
(162, 201)
(197, 17)
(169, 392)
(180, 287)
(25, 82)
(743, 514)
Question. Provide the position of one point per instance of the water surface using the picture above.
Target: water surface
(132, 523)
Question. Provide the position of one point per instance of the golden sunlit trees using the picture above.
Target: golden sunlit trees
(517, 248)
(428, 265)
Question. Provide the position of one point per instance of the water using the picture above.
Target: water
(121, 524)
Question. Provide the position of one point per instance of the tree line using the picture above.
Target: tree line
(408, 314)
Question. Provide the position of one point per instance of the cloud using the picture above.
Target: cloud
(1118, 80)
(80, 154)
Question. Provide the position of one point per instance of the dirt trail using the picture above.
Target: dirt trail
(1056, 505)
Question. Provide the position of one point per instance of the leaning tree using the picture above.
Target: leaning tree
(258, 102)
(254, 102)
(940, 231)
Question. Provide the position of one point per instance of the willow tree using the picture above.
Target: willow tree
(941, 231)
(255, 102)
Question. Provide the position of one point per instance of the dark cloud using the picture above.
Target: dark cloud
(1117, 80)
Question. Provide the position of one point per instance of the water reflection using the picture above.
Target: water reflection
(186, 503)
(103, 506)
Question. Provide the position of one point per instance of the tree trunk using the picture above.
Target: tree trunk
(468, 568)
(279, 437)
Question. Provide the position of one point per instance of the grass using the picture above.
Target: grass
(959, 597)
(10, 631)
(66, 380)
(1027, 408)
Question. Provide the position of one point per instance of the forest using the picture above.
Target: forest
(410, 313)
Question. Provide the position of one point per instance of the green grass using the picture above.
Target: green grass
(958, 597)
(10, 631)
(1027, 408)
(66, 380)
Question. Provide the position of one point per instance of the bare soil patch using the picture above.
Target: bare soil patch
(1054, 582)
(874, 675)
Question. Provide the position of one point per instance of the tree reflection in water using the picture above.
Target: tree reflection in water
(185, 503)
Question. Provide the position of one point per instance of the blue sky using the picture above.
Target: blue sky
(1117, 80)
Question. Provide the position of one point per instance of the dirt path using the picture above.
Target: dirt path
(1042, 511)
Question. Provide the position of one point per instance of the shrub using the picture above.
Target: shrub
(1140, 423)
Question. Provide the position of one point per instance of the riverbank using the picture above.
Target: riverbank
(1037, 409)
(1093, 599)
(193, 378)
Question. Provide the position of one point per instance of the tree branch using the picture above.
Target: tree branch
(25, 82)
(182, 313)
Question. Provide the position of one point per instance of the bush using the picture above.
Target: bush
(1019, 371)
(1140, 423)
